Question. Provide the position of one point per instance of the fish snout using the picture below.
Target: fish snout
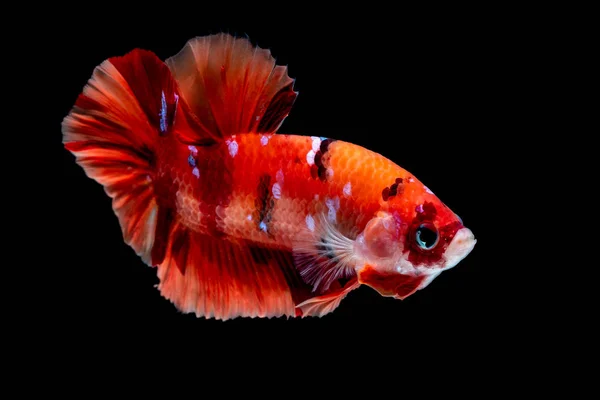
(461, 245)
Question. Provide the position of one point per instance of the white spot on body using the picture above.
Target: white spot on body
(264, 139)
(276, 190)
(279, 176)
(316, 143)
(329, 174)
(193, 149)
(333, 206)
(249, 217)
(310, 223)
(428, 190)
(310, 157)
(410, 179)
(233, 148)
(262, 226)
(348, 189)
(196, 172)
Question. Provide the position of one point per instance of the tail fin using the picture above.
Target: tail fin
(230, 87)
(113, 131)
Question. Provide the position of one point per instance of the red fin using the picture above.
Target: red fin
(152, 85)
(322, 305)
(231, 87)
(390, 284)
(113, 130)
(215, 278)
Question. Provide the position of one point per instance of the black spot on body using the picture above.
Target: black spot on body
(264, 202)
(322, 173)
(319, 169)
(314, 171)
(385, 193)
(318, 157)
(325, 145)
(394, 189)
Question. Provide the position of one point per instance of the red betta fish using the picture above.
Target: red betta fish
(238, 219)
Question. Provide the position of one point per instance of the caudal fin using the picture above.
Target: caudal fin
(114, 129)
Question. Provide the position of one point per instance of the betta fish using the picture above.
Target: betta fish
(238, 219)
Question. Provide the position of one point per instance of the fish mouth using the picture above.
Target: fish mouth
(461, 245)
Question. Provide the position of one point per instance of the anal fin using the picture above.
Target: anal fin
(217, 278)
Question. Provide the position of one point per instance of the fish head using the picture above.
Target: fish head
(409, 242)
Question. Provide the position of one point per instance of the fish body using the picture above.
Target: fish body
(241, 220)
(265, 187)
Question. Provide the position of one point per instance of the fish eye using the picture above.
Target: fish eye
(426, 236)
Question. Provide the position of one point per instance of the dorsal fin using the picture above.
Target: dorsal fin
(230, 87)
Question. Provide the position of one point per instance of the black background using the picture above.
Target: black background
(432, 90)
